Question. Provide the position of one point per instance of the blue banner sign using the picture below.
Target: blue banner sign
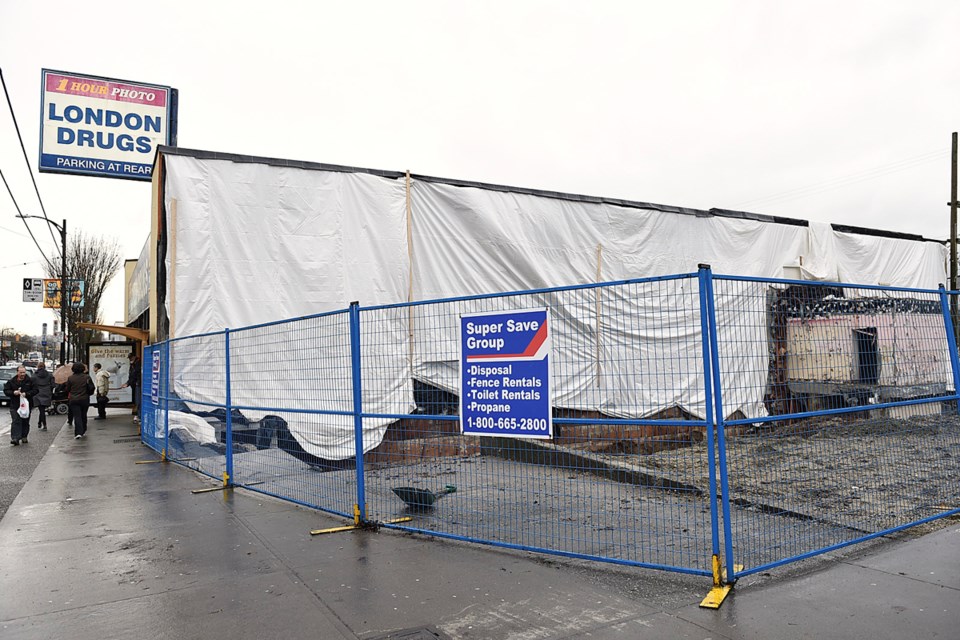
(154, 378)
(505, 374)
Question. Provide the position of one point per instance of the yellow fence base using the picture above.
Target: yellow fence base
(226, 485)
(721, 589)
(354, 527)
(716, 597)
(212, 489)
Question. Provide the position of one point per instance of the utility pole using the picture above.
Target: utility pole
(953, 233)
(63, 291)
(63, 281)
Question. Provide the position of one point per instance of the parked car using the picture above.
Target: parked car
(5, 374)
(33, 359)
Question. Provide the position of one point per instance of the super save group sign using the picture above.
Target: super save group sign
(505, 374)
(103, 127)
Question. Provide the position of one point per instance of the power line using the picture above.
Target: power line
(30, 231)
(19, 264)
(854, 178)
(16, 233)
(847, 180)
(25, 159)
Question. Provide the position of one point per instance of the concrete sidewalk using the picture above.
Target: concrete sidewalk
(97, 547)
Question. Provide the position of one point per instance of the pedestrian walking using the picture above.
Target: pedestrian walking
(133, 381)
(43, 383)
(102, 383)
(79, 389)
(17, 387)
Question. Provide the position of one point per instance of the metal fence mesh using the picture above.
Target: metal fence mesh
(761, 420)
(194, 399)
(591, 490)
(861, 436)
(292, 424)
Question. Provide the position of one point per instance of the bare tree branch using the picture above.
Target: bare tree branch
(95, 260)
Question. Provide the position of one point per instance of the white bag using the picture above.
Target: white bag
(24, 410)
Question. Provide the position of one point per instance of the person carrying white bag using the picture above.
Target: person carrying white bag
(20, 389)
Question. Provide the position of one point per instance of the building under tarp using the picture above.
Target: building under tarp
(239, 240)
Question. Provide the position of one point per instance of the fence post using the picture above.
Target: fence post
(703, 273)
(166, 402)
(360, 508)
(147, 352)
(951, 343)
(721, 427)
(228, 474)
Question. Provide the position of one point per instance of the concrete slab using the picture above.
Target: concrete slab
(932, 558)
(97, 547)
(839, 600)
(390, 580)
(270, 605)
(99, 567)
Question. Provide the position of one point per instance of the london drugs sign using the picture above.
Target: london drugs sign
(103, 127)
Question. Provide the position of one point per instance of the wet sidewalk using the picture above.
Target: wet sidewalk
(96, 546)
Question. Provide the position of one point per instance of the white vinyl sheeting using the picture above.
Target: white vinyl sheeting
(257, 242)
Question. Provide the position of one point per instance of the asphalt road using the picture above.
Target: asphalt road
(17, 463)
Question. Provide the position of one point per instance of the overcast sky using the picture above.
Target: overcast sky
(832, 111)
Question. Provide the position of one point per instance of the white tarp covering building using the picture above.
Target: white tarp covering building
(239, 241)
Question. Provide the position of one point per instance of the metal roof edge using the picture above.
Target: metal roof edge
(275, 162)
(558, 195)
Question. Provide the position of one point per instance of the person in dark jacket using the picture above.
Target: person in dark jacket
(79, 389)
(133, 381)
(16, 387)
(43, 383)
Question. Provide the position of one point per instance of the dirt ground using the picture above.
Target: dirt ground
(870, 475)
(793, 490)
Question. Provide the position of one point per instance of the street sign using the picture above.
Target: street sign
(43, 336)
(505, 374)
(32, 290)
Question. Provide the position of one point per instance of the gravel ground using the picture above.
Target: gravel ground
(867, 474)
(793, 490)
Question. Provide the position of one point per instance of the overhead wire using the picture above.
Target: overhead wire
(19, 264)
(29, 230)
(14, 232)
(847, 180)
(27, 161)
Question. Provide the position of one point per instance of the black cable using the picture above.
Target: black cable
(29, 230)
(19, 264)
(26, 160)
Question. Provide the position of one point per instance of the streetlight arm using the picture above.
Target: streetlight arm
(47, 220)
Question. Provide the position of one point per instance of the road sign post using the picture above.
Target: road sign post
(32, 290)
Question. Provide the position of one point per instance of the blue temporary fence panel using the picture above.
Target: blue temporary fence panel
(758, 421)
(589, 491)
(290, 406)
(151, 422)
(857, 435)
